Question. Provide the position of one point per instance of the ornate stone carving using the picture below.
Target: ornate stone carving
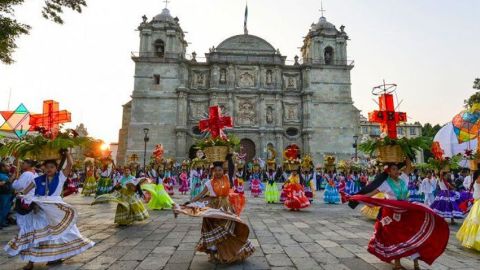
(246, 79)
(291, 112)
(269, 77)
(290, 81)
(198, 109)
(223, 76)
(246, 112)
(224, 108)
(199, 79)
(269, 115)
(231, 76)
(215, 76)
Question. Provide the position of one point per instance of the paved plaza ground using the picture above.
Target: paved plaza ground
(330, 237)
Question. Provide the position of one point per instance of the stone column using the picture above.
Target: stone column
(262, 145)
(279, 146)
(278, 110)
(261, 111)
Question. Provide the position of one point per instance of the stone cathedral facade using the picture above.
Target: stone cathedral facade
(306, 102)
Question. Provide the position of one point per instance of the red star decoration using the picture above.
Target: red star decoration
(49, 121)
(216, 123)
(387, 116)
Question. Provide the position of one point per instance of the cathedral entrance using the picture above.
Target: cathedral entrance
(247, 146)
(192, 152)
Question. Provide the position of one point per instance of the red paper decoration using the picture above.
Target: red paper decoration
(216, 123)
(48, 123)
(437, 151)
(387, 116)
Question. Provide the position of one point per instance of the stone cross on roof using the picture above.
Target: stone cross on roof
(321, 8)
(166, 3)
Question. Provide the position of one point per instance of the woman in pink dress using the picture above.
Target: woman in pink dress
(183, 182)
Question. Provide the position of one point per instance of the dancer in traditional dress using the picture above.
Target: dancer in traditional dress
(319, 181)
(90, 183)
(469, 233)
(195, 177)
(414, 193)
(331, 194)
(295, 194)
(239, 181)
(183, 189)
(48, 231)
(307, 177)
(159, 197)
(130, 208)
(352, 183)
(105, 183)
(255, 180)
(167, 182)
(445, 203)
(404, 229)
(272, 195)
(427, 187)
(224, 236)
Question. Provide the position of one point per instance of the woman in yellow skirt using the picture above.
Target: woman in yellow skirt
(469, 233)
(130, 207)
(371, 212)
(90, 183)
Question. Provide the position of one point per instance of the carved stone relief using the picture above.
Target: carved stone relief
(269, 114)
(246, 79)
(199, 79)
(290, 81)
(291, 112)
(198, 109)
(246, 112)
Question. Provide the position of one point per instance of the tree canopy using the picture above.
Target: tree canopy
(11, 29)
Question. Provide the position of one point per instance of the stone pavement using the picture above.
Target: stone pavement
(330, 237)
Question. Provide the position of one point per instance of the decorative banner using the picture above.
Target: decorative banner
(17, 121)
(387, 116)
(216, 123)
(48, 123)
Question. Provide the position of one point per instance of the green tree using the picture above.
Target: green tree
(475, 98)
(11, 29)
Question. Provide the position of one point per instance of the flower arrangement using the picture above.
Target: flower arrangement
(40, 147)
(405, 145)
(232, 141)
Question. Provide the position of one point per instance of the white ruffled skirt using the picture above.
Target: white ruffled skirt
(49, 233)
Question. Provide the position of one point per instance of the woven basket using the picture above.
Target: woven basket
(390, 154)
(216, 153)
(45, 154)
(473, 164)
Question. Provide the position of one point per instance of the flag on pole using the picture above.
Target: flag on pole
(245, 30)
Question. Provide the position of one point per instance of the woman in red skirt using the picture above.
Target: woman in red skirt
(404, 229)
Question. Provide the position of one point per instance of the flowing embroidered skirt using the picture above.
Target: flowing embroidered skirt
(372, 211)
(256, 190)
(352, 187)
(223, 233)
(272, 195)
(89, 186)
(129, 207)
(159, 198)
(446, 206)
(169, 189)
(331, 194)
(296, 198)
(183, 187)
(104, 186)
(406, 229)
(195, 187)
(469, 233)
(48, 233)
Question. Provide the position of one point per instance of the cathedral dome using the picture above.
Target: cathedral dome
(324, 24)
(245, 44)
(164, 16)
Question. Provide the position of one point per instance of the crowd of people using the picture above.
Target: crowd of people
(35, 191)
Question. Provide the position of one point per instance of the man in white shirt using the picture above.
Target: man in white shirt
(467, 182)
(427, 187)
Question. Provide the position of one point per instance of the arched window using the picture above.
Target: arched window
(328, 55)
(159, 48)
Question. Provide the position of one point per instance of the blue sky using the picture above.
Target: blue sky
(430, 48)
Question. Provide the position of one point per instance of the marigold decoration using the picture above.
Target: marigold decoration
(216, 123)
(387, 116)
(291, 152)
(48, 122)
(17, 121)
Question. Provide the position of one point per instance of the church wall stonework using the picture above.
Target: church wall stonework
(307, 103)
